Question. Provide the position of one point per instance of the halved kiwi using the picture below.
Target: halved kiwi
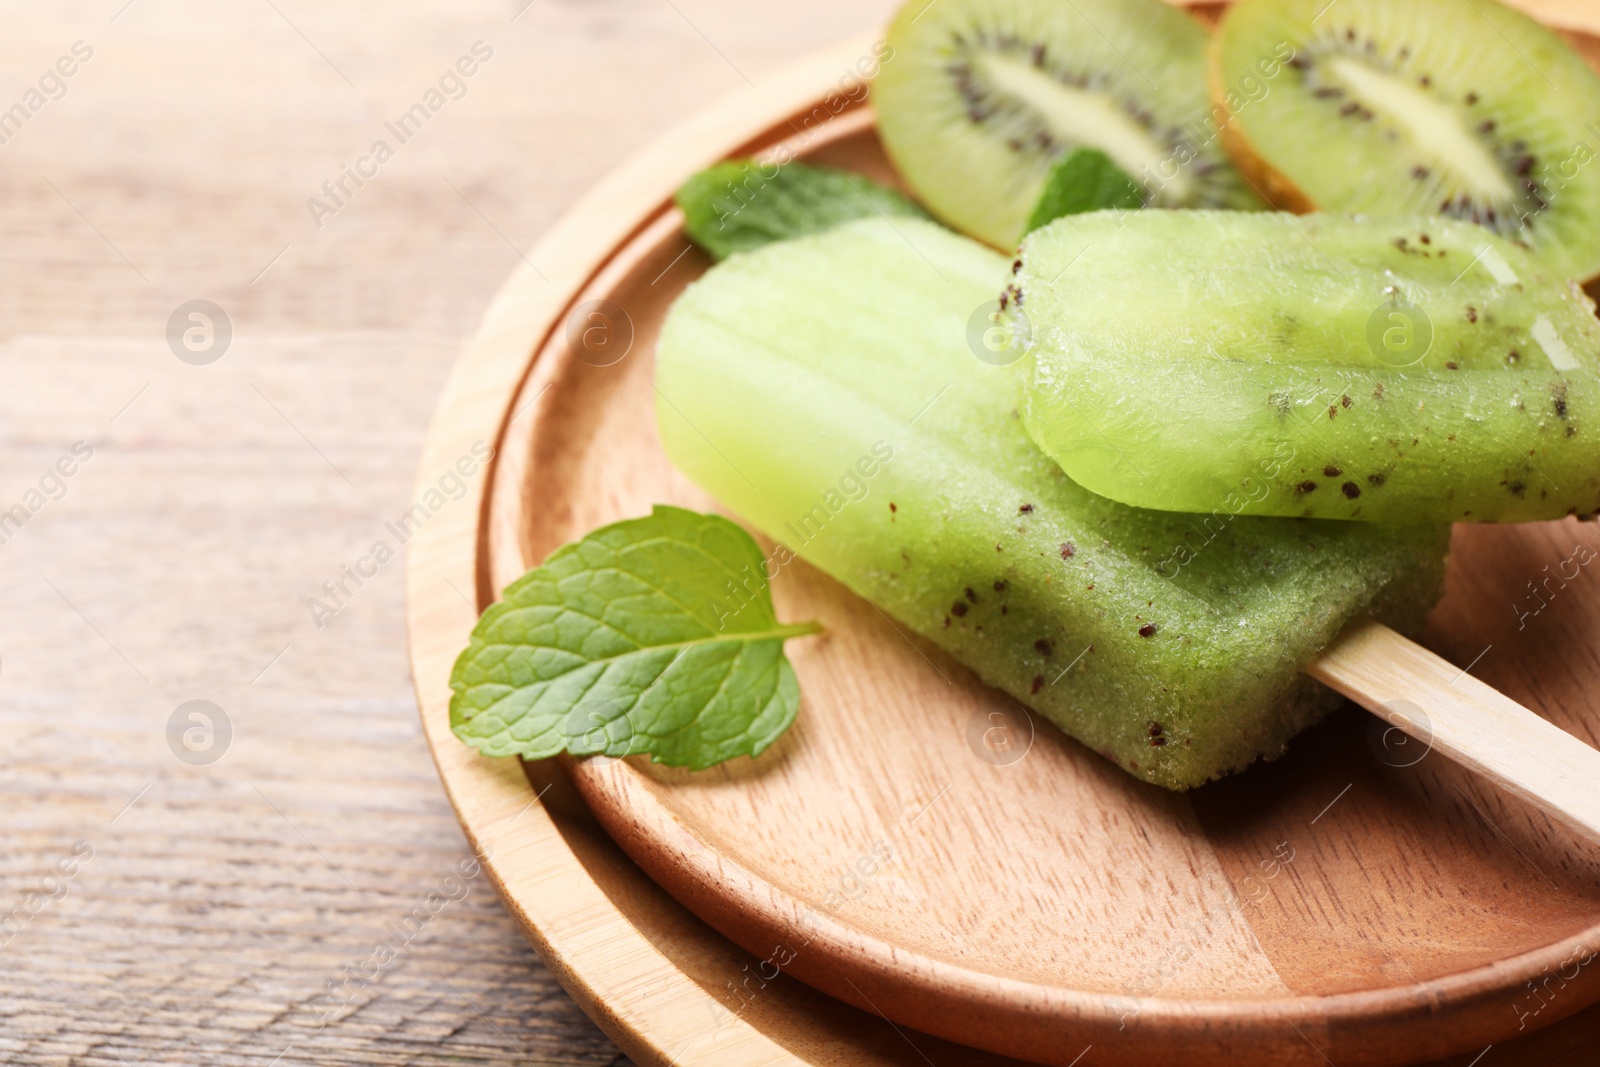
(1461, 108)
(977, 98)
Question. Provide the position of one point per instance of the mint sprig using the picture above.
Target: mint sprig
(742, 205)
(652, 635)
(1085, 179)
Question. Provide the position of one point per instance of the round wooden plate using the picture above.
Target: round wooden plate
(917, 846)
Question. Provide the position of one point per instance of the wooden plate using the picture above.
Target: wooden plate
(918, 847)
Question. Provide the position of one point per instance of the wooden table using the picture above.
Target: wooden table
(221, 898)
(291, 894)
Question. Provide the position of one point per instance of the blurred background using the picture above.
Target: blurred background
(224, 322)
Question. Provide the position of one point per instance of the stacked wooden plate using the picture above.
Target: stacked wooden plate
(918, 856)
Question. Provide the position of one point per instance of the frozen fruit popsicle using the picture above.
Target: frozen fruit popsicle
(1394, 370)
(825, 390)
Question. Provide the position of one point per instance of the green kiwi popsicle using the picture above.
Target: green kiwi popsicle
(825, 390)
(1396, 370)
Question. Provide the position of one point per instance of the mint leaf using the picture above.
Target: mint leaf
(649, 635)
(741, 204)
(1084, 179)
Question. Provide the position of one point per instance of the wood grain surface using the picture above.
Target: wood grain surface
(220, 899)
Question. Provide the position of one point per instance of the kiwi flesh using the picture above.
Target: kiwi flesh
(976, 99)
(1460, 108)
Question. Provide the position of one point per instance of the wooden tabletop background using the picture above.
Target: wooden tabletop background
(220, 899)
(155, 909)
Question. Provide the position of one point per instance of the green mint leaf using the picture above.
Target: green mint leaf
(1084, 179)
(741, 204)
(649, 635)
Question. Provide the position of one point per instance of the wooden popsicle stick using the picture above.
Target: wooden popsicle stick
(1473, 724)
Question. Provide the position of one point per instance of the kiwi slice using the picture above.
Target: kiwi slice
(977, 98)
(1460, 108)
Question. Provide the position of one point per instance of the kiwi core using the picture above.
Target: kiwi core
(1070, 115)
(1434, 127)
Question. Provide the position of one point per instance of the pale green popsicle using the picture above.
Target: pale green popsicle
(1401, 370)
(824, 390)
